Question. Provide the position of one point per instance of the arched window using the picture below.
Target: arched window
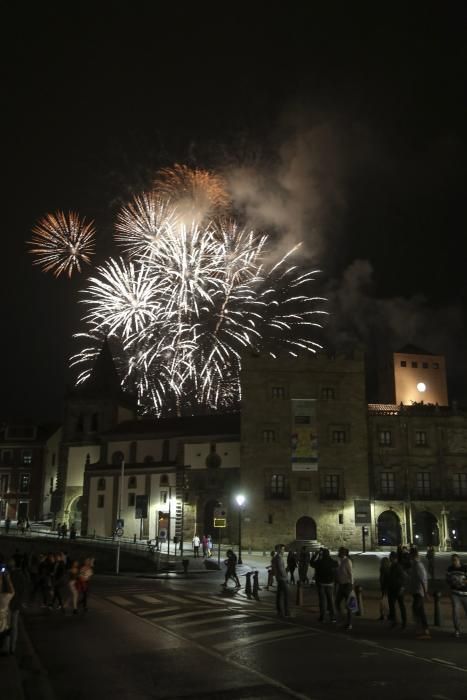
(164, 480)
(118, 457)
(132, 482)
(389, 529)
(101, 484)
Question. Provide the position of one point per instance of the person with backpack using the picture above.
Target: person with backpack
(396, 582)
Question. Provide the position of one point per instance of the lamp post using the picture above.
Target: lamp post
(240, 498)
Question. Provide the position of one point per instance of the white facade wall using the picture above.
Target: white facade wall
(100, 519)
(77, 462)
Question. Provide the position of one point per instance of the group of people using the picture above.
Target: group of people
(22, 525)
(205, 542)
(62, 531)
(52, 580)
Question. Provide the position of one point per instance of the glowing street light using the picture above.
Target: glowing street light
(240, 498)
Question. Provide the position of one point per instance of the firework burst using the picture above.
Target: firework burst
(199, 195)
(62, 243)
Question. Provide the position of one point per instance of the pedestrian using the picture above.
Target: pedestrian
(396, 582)
(325, 578)
(418, 587)
(209, 546)
(383, 585)
(456, 577)
(72, 531)
(196, 542)
(73, 575)
(231, 571)
(204, 544)
(58, 581)
(303, 564)
(344, 589)
(85, 574)
(270, 583)
(28, 527)
(280, 573)
(59, 530)
(64, 530)
(7, 592)
(291, 566)
(430, 561)
(19, 582)
(7, 525)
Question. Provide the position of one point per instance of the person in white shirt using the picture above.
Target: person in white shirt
(196, 544)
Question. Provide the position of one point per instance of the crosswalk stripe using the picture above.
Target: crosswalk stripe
(228, 628)
(154, 611)
(148, 598)
(205, 600)
(119, 600)
(176, 598)
(197, 623)
(251, 639)
(180, 616)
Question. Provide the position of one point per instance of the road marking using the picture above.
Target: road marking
(443, 661)
(119, 600)
(148, 598)
(196, 623)
(228, 628)
(204, 600)
(157, 612)
(194, 613)
(403, 651)
(176, 598)
(251, 639)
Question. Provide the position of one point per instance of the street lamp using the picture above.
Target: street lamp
(240, 501)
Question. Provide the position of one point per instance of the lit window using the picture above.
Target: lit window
(278, 392)
(423, 483)
(24, 482)
(269, 436)
(100, 500)
(384, 437)
(388, 483)
(27, 456)
(420, 438)
(339, 436)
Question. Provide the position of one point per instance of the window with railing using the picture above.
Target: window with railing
(423, 484)
(387, 483)
(459, 484)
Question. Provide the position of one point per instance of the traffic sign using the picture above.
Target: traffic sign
(119, 531)
(220, 522)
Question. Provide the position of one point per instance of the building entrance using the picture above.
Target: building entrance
(305, 528)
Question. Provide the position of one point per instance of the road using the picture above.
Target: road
(185, 638)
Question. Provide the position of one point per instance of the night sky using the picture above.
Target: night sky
(343, 126)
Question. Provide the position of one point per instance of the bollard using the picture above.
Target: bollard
(299, 598)
(359, 596)
(134, 539)
(437, 616)
(248, 584)
(256, 587)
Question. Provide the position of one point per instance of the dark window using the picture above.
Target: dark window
(24, 483)
(163, 496)
(95, 422)
(101, 484)
(148, 459)
(3, 483)
(131, 499)
(388, 483)
(7, 456)
(278, 392)
(166, 450)
(27, 456)
(80, 424)
(269, 436)
(425, 365)
(385, 437)
(338, 436)
(435, 365)
(331, 485)
(278, 483)
(459, 484)
(117, 457)
(132, 482)
(164, 480)
(327, 393)
(414, 365)
(403, 363)
(423, 483)
(100, 500)
(270, 519)
(420, 438)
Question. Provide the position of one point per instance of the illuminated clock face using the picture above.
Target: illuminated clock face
(421, 386)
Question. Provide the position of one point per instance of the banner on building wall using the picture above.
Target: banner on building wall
(304, 435)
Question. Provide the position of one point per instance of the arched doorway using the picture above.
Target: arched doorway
(458, 531)
(75, 513)
(389, 529)
(305, 528)
(425, 529)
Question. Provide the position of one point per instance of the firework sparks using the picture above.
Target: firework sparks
(62, 242)
(198, 194)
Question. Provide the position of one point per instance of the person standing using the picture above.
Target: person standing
(19, 582)
(204, 544)
(303, 564)
(396, 582)
(325, 577)
(209, 546)
(280, 573)
(291, 566)
(7, 592)
(418, 587)
(196, 543)
(456, 576)
(383, 585)
(344, 578)
(430, 561)
(7, 525)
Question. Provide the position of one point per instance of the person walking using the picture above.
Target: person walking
(325, 578)
(58, 580)
(231, 571)
(396, 583)
(383, 585)
(456, 576)
(418, 587)
(280, 573)
(209, 545)
(196, 543)
(291, 566)
(204, 544)
(84, 577)
(344, 578)
(270, 582)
